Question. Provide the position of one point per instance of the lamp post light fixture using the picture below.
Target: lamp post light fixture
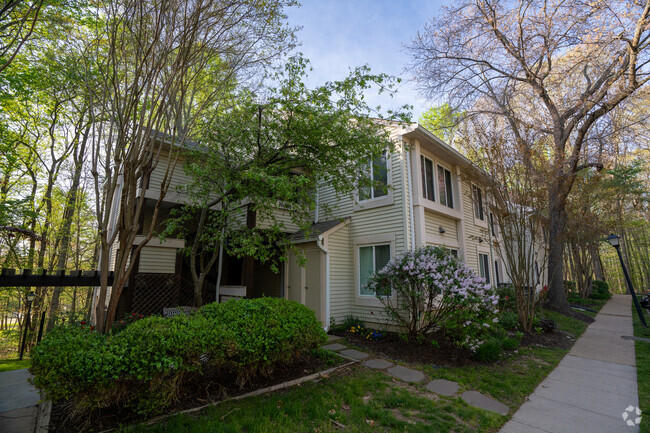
(615, 241)
(30, 298)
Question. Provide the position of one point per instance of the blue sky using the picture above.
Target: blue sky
(338, 35)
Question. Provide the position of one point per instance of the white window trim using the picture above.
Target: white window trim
(454, 193)
(478, 257)
(385, 200)
(477, 221)
(436, 206)
(434, 180)
(363, 241)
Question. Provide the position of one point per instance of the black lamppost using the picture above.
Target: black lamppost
(30, 299)
(615, 241)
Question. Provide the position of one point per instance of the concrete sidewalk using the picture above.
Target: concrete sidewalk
(18, 402)
(592, 386)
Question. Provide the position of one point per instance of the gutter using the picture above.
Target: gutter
(319, 242)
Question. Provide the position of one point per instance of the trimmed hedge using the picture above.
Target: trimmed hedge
(143, 366)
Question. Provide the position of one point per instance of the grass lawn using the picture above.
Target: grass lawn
(13, 364)
(369, 401)
(642, 350)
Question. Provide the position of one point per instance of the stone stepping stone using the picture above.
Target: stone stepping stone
(443, 387)
(331, 338)
(354, 354)
(378, 364)
(481, 401)
(406, 374)
(334, 347)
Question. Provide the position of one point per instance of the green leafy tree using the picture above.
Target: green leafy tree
(265, 153)
(443, 121)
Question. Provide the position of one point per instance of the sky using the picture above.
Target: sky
(339, 35)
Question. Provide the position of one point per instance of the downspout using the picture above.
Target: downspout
(319, 242)
(410, 191)
(316, 212)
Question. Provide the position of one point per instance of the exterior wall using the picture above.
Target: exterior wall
(157, 260)
(341, 273)
(382, 220)
(179, 178)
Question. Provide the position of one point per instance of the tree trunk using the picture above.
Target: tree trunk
(557, 299)
(595, 261)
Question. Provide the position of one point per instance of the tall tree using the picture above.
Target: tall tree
(556, 66)
(265, 155)
(152, 59)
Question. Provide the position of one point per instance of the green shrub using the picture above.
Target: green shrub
(509, 320)
(348, 322)
(600, 290)
(509, 343)
(489, 351)
(507, 298)
(435, 290)
(144, 365)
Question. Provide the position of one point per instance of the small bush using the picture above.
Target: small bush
(489, 351)
(435, 290)
(348, 322)
(507, 298)
(509, 343)
(509, 320)
(144, 365)
(600, 290)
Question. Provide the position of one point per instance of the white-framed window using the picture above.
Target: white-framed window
(477, 194)
(497, 272)
(426, 166)
(453, 252)
(493, 225)
(484, 266)
(445, 187)
(372, 258)
(377, 174)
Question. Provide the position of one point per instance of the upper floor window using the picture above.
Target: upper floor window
(377, 175)
(427, 178)
(493, 226)
(479, 213)
(445, 190)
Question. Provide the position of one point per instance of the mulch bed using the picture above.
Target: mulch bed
(447, 354)
(196, 391)
(392, 346)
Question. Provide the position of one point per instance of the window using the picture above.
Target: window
(478, 203)
(537, 273)
(493, 226)
(377, 174)
(371, 259)
(444, 187)
(453, 252)
(427, 178)
(497, 272)
(484, 266)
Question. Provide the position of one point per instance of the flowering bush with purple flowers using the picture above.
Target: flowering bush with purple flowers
(430, 289)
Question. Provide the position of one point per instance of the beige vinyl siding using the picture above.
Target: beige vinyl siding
(381, 220)
(433, 221)
(341, 273)
(472, 230)
(157, 260)
(179, 178)
(282, 216)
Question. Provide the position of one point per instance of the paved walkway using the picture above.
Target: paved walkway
(592, 386)
(18, 402)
